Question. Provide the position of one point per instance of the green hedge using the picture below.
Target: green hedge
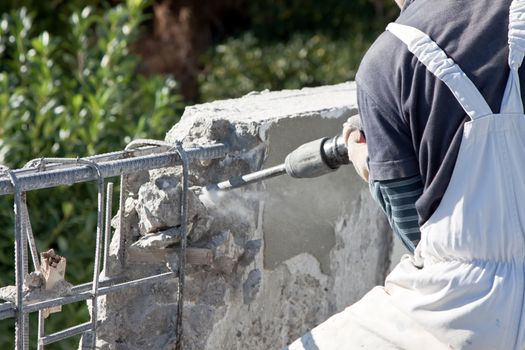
(277, 20)
(293, 44)
(70, 96)
(245, 64)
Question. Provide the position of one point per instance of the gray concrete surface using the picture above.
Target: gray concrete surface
(287, 253)
(398, 250)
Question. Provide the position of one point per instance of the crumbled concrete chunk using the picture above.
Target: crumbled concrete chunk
(34, 293)
(8, 293)
(158, 240)
(34, 279)
(158, 205)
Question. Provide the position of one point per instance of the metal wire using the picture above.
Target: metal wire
(100, 222)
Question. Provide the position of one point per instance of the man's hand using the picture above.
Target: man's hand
(357, 149)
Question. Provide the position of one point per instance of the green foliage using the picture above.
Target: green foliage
(245, 64)
(71, 96)
(76, 95)
(53, 16)
(292, 44)
(280, 19)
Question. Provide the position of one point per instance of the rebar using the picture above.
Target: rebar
(20, 331)
(41, 330)
(36, 265)
(66, 333)
(7, 310)
(121, 210)
(23, 219)
(76, 173)
(84, 295)
(35, 257)
(140, 155)
(100, 229)
(76, 289)
(107, 228)
(82, 292)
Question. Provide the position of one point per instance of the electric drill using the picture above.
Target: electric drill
(321, 156)
(312, 159)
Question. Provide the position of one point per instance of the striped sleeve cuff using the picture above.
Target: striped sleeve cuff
(398, 199)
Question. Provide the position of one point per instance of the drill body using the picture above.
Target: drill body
(319, 157)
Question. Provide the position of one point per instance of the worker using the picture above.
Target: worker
(444, 152)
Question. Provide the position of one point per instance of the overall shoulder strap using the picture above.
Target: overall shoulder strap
(511, 102)
(443, 67)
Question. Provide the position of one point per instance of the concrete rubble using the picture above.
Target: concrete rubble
(284, 255)
(48, 283)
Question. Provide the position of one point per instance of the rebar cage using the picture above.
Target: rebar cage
(140, 155)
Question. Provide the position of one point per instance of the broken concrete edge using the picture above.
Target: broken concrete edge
(252, 108)
(267, 107)
(248, 109)
(239, 299)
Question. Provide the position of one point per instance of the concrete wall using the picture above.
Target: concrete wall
(287, 253)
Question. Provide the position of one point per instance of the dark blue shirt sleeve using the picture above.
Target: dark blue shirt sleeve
(390, 147)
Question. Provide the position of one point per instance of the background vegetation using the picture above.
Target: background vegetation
(70, 85)
(289, 44)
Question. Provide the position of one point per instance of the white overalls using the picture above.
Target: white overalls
(464, 287)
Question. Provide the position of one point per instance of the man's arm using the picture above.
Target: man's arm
(395, 183)
(397, 198)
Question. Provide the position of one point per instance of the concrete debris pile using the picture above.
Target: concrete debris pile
(48, 283)
(267, 262)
